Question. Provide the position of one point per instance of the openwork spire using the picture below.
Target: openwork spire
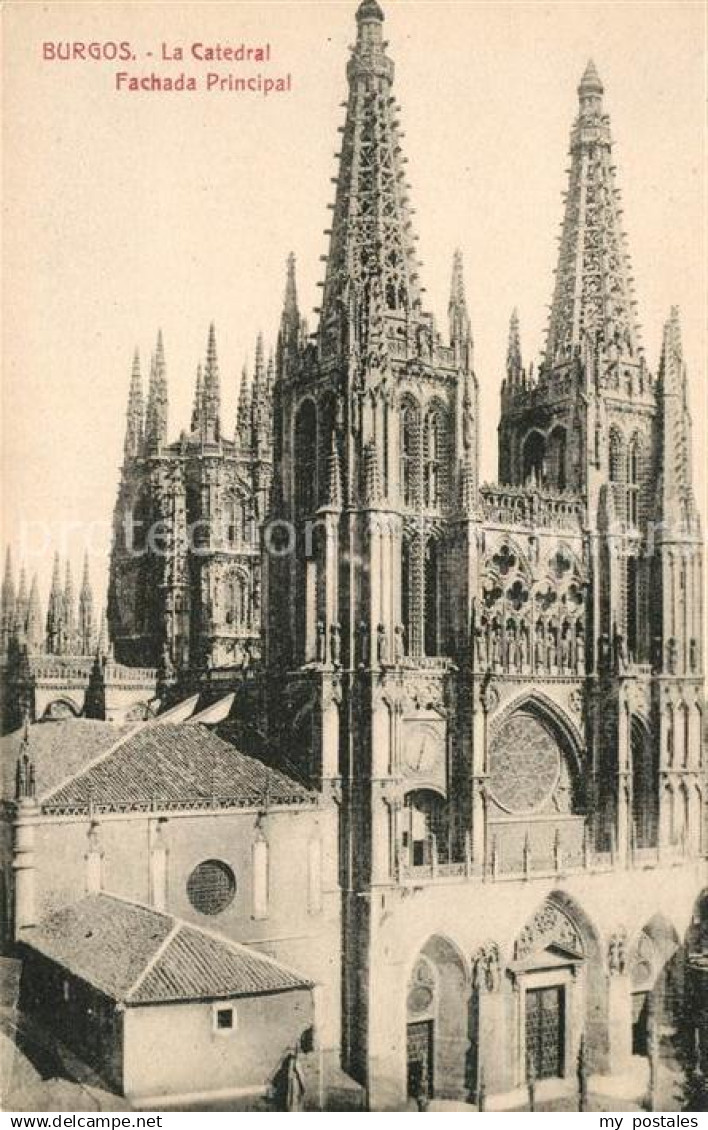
(156, 413)
(134, 427)
(21, 603)
(371, 234)
(593, 294)
(56, 624)
(212, 389)
(677, 492)
(514, 366)
(198, 404)
(85, 627)
(35, 628)
(243, 415)
(460, 325)
(69, 607)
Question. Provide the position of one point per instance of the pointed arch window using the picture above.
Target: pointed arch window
(305, 458)
(434, 456)
(409, 453)
(431, 632)
(534, 457)
(407, 594)
(645, 785)
(633, 476)
(633, 607)
(616, 457)
(237, 600)
(557, 458)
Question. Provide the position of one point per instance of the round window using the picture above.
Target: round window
(211, 887)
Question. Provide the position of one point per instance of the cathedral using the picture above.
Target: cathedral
(500, 685)
(490, 696)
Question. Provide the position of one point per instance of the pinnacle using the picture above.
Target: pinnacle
(513, 355)
(369, 10)
(457, 286)
(591, 80)
(290, 302)
(56, 573)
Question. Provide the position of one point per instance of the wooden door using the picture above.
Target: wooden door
(545, 1031)
(420, 1058)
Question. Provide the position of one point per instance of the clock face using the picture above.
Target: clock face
(424, 748)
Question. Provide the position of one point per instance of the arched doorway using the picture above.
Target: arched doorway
(645, 785)
(436, 1022)
(656, 975)
(424, 833)
(561, 993)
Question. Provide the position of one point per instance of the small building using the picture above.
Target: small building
(170, 815)
(159, 1007)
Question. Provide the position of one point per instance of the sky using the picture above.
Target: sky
(125, 212)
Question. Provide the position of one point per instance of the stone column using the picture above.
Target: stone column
(158, 865)
(492, 1038)
(24, 865)
(94, 861)
(619, 1001)
(479, 768)
(624, 814)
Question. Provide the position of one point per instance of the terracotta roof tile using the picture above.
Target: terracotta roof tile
(58, 750)
(138, 955)
(195, 965)
(175, 766)
(104, 941)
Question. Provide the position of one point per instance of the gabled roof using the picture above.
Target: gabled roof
(137, 955)
(174, 766)
(58, 750)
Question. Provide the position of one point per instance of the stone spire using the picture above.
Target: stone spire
(86, 612)
(135, 416)
(677, 502)
(289, 334)
(56, 631)
(593, 292)
(243, 414)
(514, 364)
(198, 405)
(460, 325)
(212, 390)
(7, 611)
(34, 630)
(371, 235)
(69, 609)
(260, 403)
(157, 406)
(21, 604)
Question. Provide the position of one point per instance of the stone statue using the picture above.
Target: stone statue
(399, 644)
(335, 644)
(321, 642)
(381, 645)
(363, 644)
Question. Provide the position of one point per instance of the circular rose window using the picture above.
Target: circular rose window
(211, 887)
(524, 765)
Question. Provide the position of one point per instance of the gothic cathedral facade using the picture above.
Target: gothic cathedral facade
(499, 685)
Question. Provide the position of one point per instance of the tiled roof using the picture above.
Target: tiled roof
(104, 941)
(175, 766)
(138, 955)
(58, 750)
(195, 965)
